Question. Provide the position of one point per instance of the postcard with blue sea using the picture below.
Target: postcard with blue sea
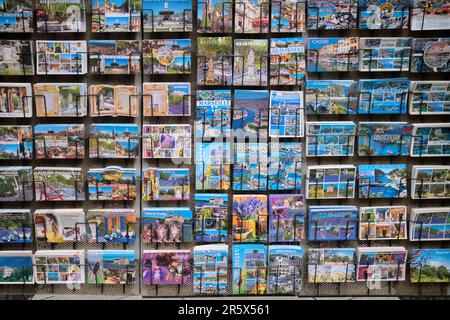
(332, 14)
(213, 114)
(286, 116)
(111, 266)
(331, 96)
(250, 112)
(430, 140)
(330, 139)
(384, 138)
(384, 54)
(285, 163)
(16, 16)
(16, 226)
(211, 217)
(384, 14)
(287, 60)
(332, 223)
(212, 163)
(383, 96)
(210, 269)
(383, 181)
(430, 55)
(250, 167)
(429, 97)
(333, 54)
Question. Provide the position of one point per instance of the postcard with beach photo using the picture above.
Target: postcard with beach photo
(16, 184)
(214, 61)
(249, 263)
(333, 54)
(430, 140)
(249, 218)
(167, 56)
(332, 14)
(61, 57)
(16, 267)
(430, 15)
(161, 184)
(214, 16)
(211, 217)
(383, 223)
(331, 97)
(284, 167)
(384, 54)
(111, 267)
(429, 97)
(286, 114)
(111, 225)
(116, 15)
(288, 16)
(16, 100)
(112, 183)
(113, 101)
(162, 141)
(59, 266)
(114, 141)
(250, 62)
(330, 139)
(58, 184)
(166, 225)
(166, 267)
(430, 55)
(429, 265)
(331, 182)
(213, 114)
(60, 99)
(59, 225)
(384, 14)
(114, 56)
(251, 112)
(250, 166)
(285, 269)
(16, 226)
(381, 264)
(17, 57)
(430, 182)
(210, 274)
(167, 99)
(16, 142)
(212, 163)
(382, 181)
(287, 60)
(60, 16)
(59, 141)
(336, 223)
(430, 224)
(331, 265)
(167, 15)
(286, 218)
(16, 16)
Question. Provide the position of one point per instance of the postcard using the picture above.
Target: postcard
(60, 16)
(332, 54)
(213, 114)
(214, 60)
(284, 167)
(288, 16)
(16, 226)
(249, 218)
(285, 269)
(330, 139)
(59, 225)
(114, 56)
(116, 15)
(16, 267)
(212, 163)
(111, 225)
(331, 265)
(214, 16)
(430, 224)
(167, 15)
(331, 182)
(381, 264)
(256, 22)
(383, 181)
(384, 54)
(58, 184)
(15, 100)
(382, 223)
(114, 140)
(429, 15)
(16, 16)
(430, 55)
(331, 96)
(384, 138)
(249, 263)
(210, 274)
(250, 166)
(16, 184)
(61, 57)
(161, 184)
(286, 217)
(429, 97)
(250, 62)
(16, 142)
(108, 100)
(334, 14)
(211, 217)
(429, 265)
(167, 99)
(166, 267)
(430, 140)
(59, 141)
(286, 116)
(335, 223)
(167, 56)
(171, 141)
(250, 112)
(287, 59)
(384, 14)
(59, 266)
(17, 57)
(60, 99)
(383, 96)
(430, 182)
(112, 183)
(111, 266)
(166, 225)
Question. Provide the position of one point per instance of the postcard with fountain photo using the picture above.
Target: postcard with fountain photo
(214, 61)
(384, 14)
(330, 139)
(384, 138)
(286, 116)
(430, 55)
(171, 141)
(430, 15)
(167, 56)
(116, 15)
(167, 225)
(288, 16)
(16, 142)
(16, 100)
(16, 16)
(331, 182)
(59, 141)
(430, 140)
(167, 99)
(429, 265)
(430, 224)
(331, 96)
(430, 182)
(212, 163)
(213, 114)
(249, 263)
(384, 54)
(381, 264)
(383, 223)
(287, 61)
(211, 217)
(429, 97)
(167, 15)
(16, 226)
(59, 225)
(250, 166)
(210, 274)
(284, 167)
(114, 56)
(255, 22)
(285, 269)
(251, 112)
(113, 101)
(60, 99)
(249, 218)
(331, 265)
(16, 267)
(61, 57)
(166, 267)
(333, 54)
(17, 57)
(111, 225)
(112, 183)
(58, 184)
(335, 223)
(114, 141)
(332, 15)
(383, 181)
(59, 266)
(286, 218)
(60, 16)
(111, 267)
(250, 62)
(16, 184)
(160, 184)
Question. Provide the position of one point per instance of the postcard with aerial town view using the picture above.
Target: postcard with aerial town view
(59, 225)
(166, 267)
(16, 226)
(331, 181)
(111, 225)
(383, 180)
(249, 268)
(17, 57)
(250, 112)
(381, 264)
(430, 15)
(287, 61)
(166, 141)
(169, 56)
(330, 139)
(384, 54)
(16, 142)
(214, 61)
(430, 265)
(288, 16)
(430, 55)
(112, 183)
(113, 101)
(167, 15)
(59, 266)
(249, 218)
(61, 57)
(382, 223)
(251, 16)
(285, 269)
(212, 163)
(16, 267)
(286, 217)
(213, 114)
(285, 163)
(111, 266)
(429, 97)
(250, 62)
(161, 184)
(16, 184)
(430, 140)
(167, 99)
(114, 140)
(384, 14)
(60, 16)
(331, 265)
(60, 99)
(250, 166)
(16, 16)
(116, 15)
(15, 100)
(58, 184)
(333, 54)
(330, 15)
(114, 56)
(430, 182)
(331, 96)
(211, 216)
(214, 16)
(430, 224)
(59, 141)
(336, 223)
(286, 114)
(210, 274)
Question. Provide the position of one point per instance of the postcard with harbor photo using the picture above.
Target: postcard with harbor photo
(16, 16)
(251, 112)
(16, 100)
(60, 99)
(430, 55)
(384, 54)
(333, 54)
(330, 139)
(58, 184)
(384, 14)
(429, 97)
